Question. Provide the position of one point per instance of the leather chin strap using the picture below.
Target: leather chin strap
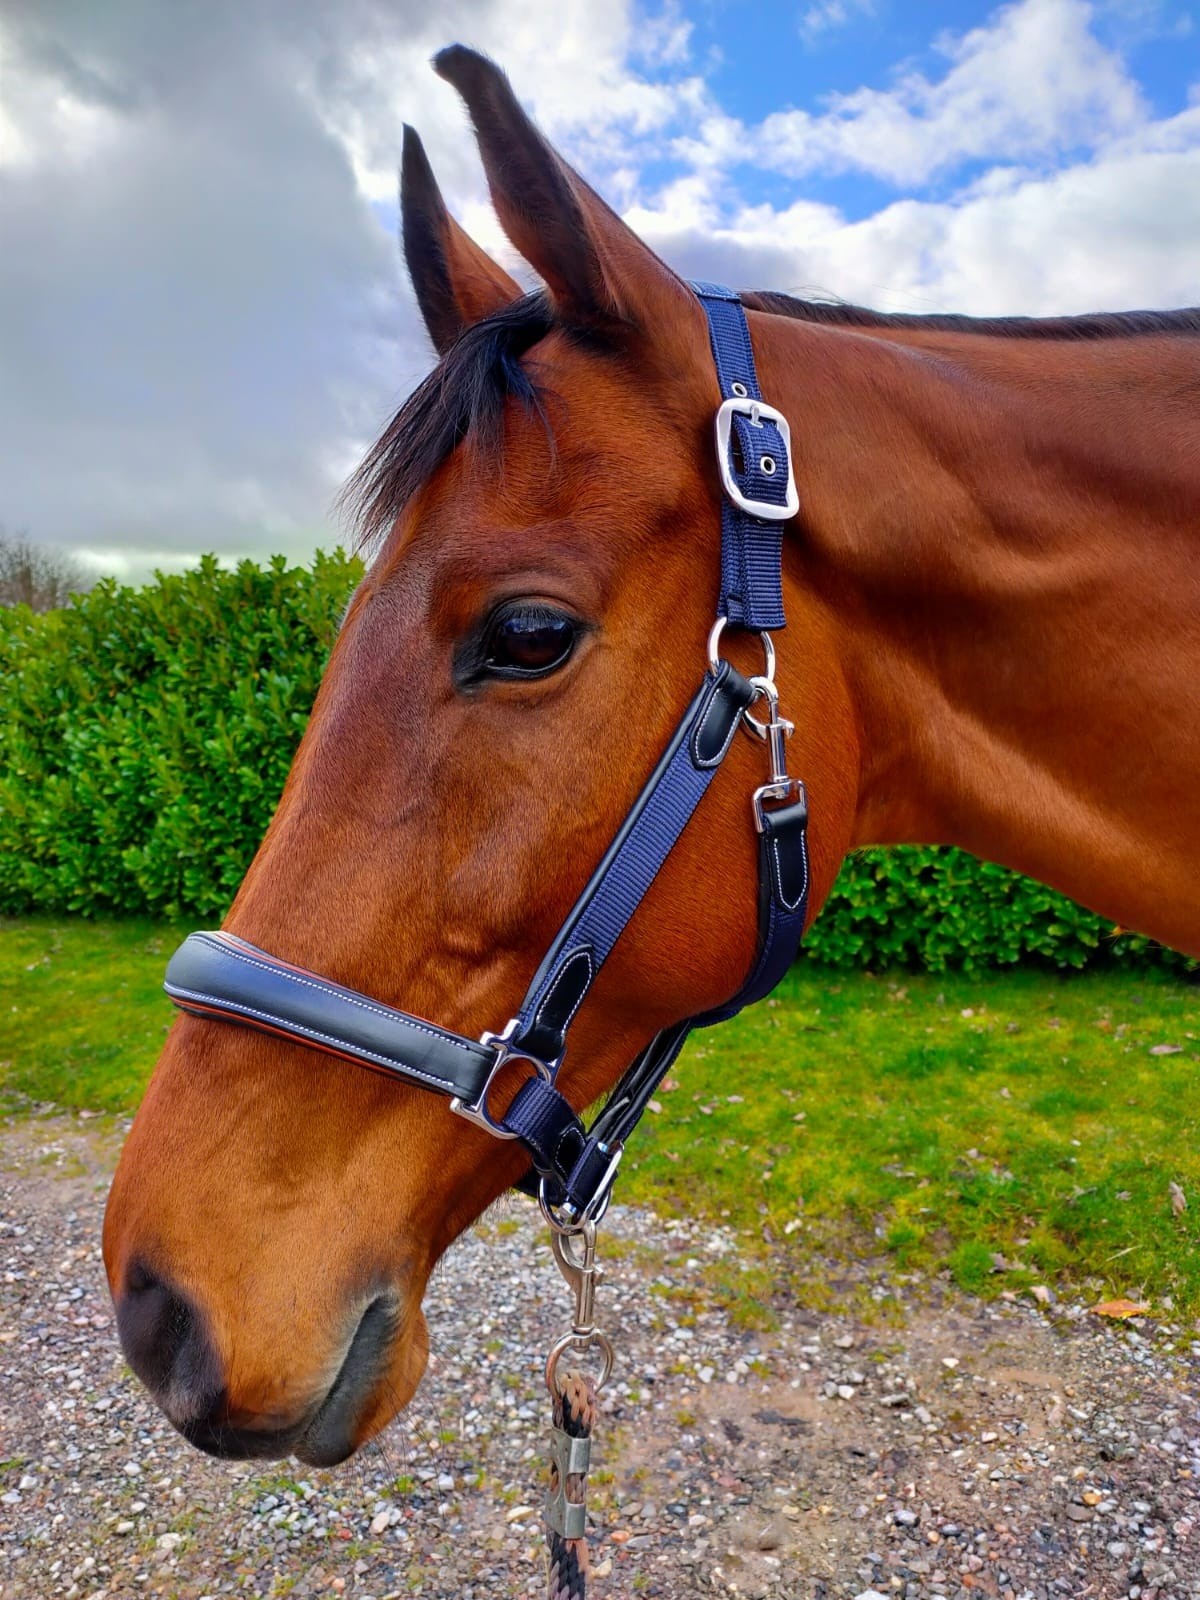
(221, 976)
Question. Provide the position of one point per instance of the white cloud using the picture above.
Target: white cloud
(1108, 227)
(1103, 235)
(577, 77)
(204, 320)
(826, 16)
(665, 39)
(1034, 83)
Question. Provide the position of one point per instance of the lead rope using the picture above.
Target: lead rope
(575, 1409)
(574, 1398)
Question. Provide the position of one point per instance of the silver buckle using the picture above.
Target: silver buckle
(758, 412)
(786, 789)
(476, 1111)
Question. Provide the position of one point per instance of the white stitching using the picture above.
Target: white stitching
(401, 1068)
(578, 1133)
(789, 905)
(336, 994)
(716, 760)
(562, 972)
(699, 732)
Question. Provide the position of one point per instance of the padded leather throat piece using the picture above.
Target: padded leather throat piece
(218, 975)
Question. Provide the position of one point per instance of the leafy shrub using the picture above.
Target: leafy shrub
(934, 908)
(145, 735)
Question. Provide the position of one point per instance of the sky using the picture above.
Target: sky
(204, 318)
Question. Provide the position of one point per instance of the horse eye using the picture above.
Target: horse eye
(528, 642)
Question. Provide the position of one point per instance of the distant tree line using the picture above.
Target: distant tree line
(38, 575)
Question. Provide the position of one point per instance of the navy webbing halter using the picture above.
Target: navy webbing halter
(219, 975)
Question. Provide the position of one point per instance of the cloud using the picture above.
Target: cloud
(202, 309)
(1070, 199)
(193, 296)
(1034, 83)
(827, 16)
(1105, 235)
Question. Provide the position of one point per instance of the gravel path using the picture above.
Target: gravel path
(947, 1448)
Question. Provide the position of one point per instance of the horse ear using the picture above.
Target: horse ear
(595, 266)
(457, 283)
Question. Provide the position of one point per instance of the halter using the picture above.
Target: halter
(219, 975)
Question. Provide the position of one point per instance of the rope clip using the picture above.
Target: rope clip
(575, 1252)
(775, 731)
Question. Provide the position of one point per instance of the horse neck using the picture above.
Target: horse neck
(997, 539)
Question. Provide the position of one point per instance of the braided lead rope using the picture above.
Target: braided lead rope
(575, 1409)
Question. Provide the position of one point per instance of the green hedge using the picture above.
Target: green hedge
(925, 906)
(145, 735)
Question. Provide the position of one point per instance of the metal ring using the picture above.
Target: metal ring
(714, 640)
(740, 390)
(767, 466)
(568, 1226)
(573, 1341)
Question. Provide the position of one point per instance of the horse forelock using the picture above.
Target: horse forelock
(465, 393)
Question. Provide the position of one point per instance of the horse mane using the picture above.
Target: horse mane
(468, 390)
(1095, 325)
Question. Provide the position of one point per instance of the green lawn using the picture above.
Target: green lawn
(942, 1119)
(82, 1009)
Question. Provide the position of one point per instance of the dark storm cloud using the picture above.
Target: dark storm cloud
(201, 317)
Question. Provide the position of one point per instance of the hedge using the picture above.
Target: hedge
(145, 734)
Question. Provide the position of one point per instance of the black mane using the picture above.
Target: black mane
(1096, 325)
(469, 388)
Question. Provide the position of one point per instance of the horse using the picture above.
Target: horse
(993, 593)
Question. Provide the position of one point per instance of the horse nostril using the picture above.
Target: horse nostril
(164, 1341)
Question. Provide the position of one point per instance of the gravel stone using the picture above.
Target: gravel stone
(1005, 1450)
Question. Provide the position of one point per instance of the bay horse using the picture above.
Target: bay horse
(993, 586)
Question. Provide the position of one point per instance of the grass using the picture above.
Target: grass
(943, 1120)
(949, 1120)
(82, 1012)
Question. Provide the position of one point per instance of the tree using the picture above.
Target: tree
(38, 575)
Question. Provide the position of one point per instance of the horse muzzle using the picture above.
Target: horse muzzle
(168, 1344)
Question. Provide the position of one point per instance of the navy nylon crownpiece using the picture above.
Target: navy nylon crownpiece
(751, 548)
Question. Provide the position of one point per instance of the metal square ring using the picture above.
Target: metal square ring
(477, 1110)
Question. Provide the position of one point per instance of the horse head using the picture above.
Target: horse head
(545, 514)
